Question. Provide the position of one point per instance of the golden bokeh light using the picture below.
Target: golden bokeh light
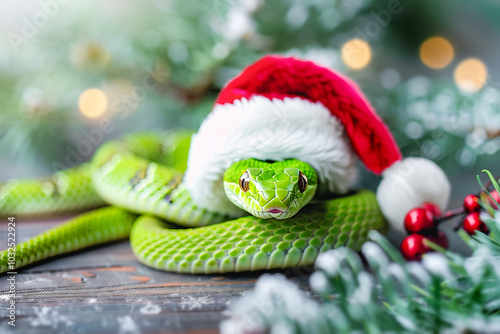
(89, 54)
(356, 53)
(471, 75)
(93, 103)
(436, 52)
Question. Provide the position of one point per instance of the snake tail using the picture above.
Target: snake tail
(66, 191)
(89, 229)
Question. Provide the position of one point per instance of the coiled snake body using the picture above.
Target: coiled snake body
(140, 176)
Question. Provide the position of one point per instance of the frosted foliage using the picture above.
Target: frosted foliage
(444, 293)
(273, 298)
(433, 106)
(437, 264)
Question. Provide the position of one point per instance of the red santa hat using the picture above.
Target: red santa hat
(281, 108)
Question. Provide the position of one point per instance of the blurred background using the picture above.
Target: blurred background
(75, 73)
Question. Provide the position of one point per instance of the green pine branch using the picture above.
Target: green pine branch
(445, 293)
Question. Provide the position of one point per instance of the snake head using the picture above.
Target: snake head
(270, 190)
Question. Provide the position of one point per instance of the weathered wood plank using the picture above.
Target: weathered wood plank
(106, 290)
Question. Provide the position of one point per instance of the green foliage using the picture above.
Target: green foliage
(434, 119)
(445, 293)
(191, 49)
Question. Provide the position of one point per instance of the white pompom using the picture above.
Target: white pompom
(408, 184)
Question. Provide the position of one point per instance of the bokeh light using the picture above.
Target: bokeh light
(89, 54)
(356, 53)
(436, 52)
(471, 74)
(93, 103)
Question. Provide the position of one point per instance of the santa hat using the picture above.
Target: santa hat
(281, 108)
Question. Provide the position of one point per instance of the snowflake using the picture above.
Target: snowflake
(191, 303)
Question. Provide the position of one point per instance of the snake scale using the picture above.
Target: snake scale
(141, 178)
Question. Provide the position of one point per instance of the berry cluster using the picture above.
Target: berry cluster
(472, 221)
(422, 224)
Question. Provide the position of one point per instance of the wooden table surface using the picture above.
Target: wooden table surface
(106, 290)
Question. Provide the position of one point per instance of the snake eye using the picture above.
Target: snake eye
(302, 182)
(245, 181)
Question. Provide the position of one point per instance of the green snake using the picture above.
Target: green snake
(140, 177)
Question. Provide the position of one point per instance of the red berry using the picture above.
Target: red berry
(419, 220)
(496, 197)
(470, 203)
(439, 239)
(472, 223)
(413, 247)
(432, 208)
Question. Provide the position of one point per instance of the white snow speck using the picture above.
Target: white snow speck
(150, 308)
(5, 297)
(37, 280)
(127, 325)
(318, 281)
(437, 264)
(49, 316)
(192, 303)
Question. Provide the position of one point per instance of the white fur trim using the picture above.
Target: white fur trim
(266, 129)
(409, 183)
